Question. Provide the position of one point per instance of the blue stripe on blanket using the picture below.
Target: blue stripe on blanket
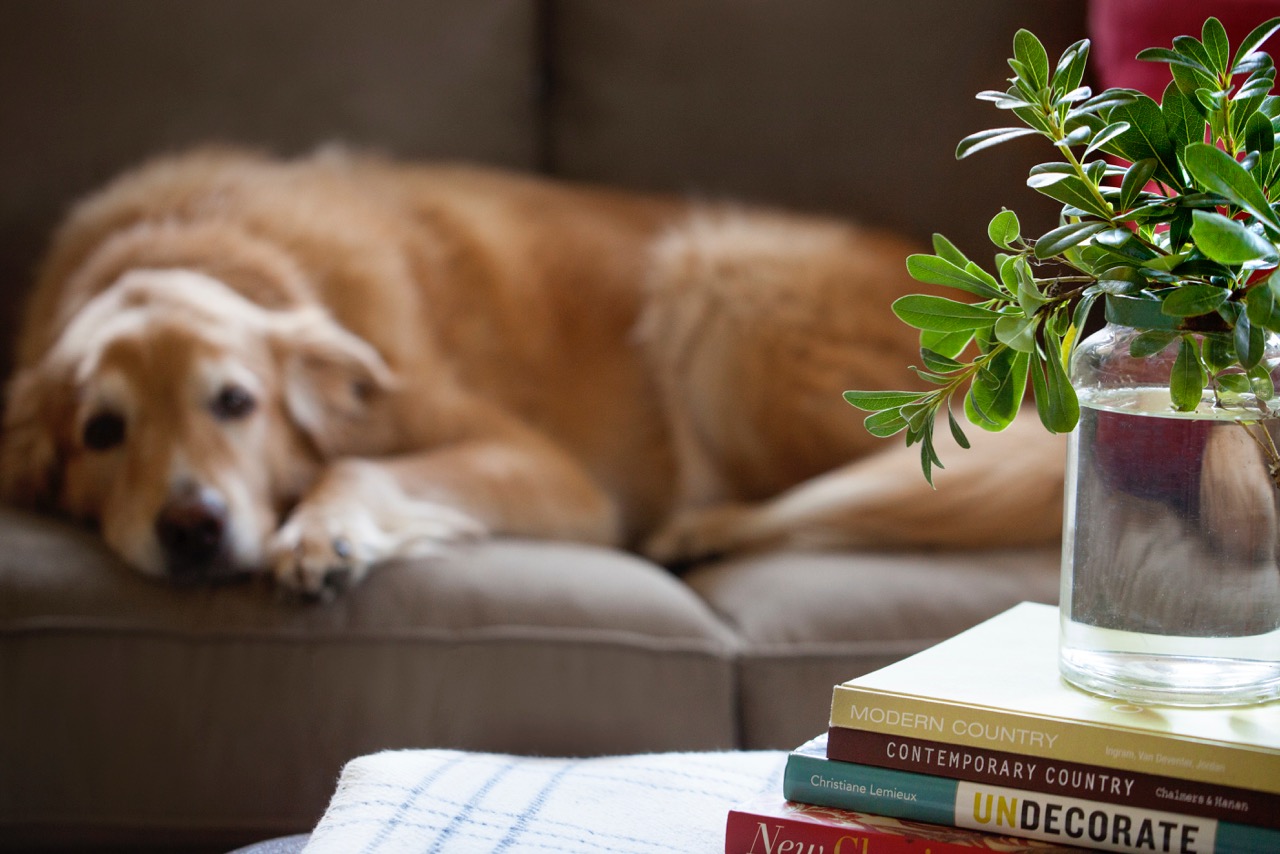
(448, 801)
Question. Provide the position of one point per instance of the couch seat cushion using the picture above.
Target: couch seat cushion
(130, 704)
(809, 620)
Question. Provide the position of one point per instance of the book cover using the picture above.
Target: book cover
(810, 777)
(1053, 776)
(996, 686)
(773, 825)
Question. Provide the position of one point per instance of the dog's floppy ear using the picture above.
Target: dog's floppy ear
(331, 378)
(38, 405)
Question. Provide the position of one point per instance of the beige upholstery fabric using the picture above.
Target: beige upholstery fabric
(125, 702)
(810, 620)
(840, 106)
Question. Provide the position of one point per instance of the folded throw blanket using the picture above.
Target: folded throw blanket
(449, 801)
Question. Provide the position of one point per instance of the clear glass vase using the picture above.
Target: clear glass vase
(1170, 583)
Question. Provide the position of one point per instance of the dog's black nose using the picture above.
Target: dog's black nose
(190, 528)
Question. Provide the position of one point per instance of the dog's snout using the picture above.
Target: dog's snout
(190, 528)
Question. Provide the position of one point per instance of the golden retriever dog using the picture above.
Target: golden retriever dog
(233, 363)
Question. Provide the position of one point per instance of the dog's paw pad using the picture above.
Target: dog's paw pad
(314, 563)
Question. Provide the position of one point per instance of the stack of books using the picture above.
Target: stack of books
(977, 743)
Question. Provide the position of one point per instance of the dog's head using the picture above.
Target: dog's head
(184, 419)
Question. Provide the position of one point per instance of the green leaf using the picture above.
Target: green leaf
(1148, 137)
(1212, 100)
(1234, 383)
(1151, 342)
(1045, 174)
(987, 138)
(1262, 303)
(1029, 297)
(998, 388)
(940, 314)
(1189, 47)
(875, 401)
(1259, 137)
(1033, 119)
(1121, 279)
(1105, 135)
(1004, 100)
(1108, 99)
(1214, 37)
(1181, 118)
(1071, 66)
(1136, 178)
(956, 433)
(1218, 171)
(1017, 332)
(1254, 40)
(935, 361)
(1080, 316)
(1113, 237)
(1164, 54)
(884, 424)
(1229, 242)
(1079, 93)
(928, 456)
(1190, 80)
(1188, 378)
(1076, 136)
(933, 270)
(1056, 401)
(1004, 229)
(950, 344)
(1066, 236)
(1193, 300)
(1030, 53)
(1256, 86)
(917, 416)
(946, 249)
(1250, 341)
(1263, 385)
(1217, 352)
(1073, 191)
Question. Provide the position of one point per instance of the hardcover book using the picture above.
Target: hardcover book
(810, 777)
(1053, 776)
(996, 686)
(772, 825)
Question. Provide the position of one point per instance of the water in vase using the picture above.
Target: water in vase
(1170, 583)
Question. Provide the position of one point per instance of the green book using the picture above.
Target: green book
(812, 778)
(996, 686)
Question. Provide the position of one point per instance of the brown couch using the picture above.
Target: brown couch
(140, 716)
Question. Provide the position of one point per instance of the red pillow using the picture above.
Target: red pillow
(1121, 28)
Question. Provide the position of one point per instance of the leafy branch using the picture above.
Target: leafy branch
(1179, 223)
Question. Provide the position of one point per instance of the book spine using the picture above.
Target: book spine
(1074, 779)
(1048, 738)
(1015, 812)
(748, 832)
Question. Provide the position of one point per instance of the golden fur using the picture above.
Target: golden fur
(429, 353)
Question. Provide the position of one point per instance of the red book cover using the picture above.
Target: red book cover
(772, 825)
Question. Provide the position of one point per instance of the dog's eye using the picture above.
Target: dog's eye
(103, 431)
(233, 402)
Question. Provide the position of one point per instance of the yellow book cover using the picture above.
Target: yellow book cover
(997, 686)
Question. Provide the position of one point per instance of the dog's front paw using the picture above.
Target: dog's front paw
(322, 550)
(318, 555)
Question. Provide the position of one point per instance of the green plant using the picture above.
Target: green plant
(1181, 218)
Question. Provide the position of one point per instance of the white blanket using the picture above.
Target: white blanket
(448, 801)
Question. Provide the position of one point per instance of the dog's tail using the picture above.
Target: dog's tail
(1005, 491)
